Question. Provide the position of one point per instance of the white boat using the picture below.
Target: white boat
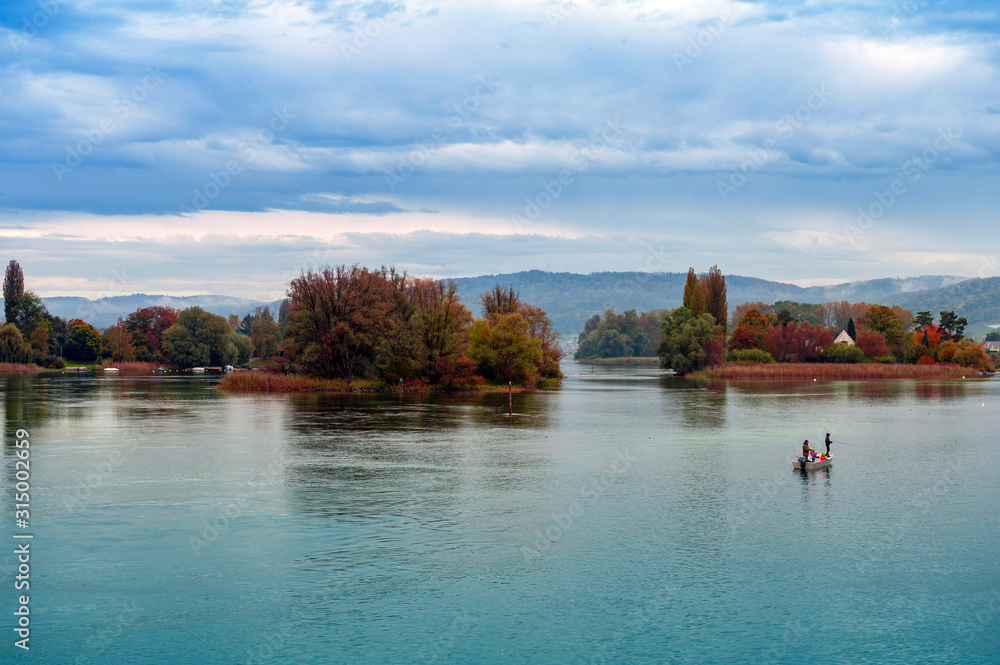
(198, 370)
(825, 463)
(110, 369)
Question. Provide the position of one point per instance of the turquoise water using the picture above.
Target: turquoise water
(624, 518)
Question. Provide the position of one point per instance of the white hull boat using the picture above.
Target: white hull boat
(810, 466)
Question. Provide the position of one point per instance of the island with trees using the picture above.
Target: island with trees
(345, 328)
(786, 339)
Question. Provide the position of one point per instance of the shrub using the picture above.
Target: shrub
(749, 356)
(886, 360)
(842, 354)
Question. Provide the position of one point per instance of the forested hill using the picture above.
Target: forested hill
(570, 299)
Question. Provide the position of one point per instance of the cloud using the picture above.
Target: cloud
(452, 117)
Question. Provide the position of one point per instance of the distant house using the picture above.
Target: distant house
(992, 347)
(844, 338)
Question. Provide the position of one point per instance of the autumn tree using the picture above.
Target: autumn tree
(497, 304)
(146, 326)
(713, 285)
(872, 344)
(337, 319)
(117, 342)
(694, 296)
(798, 341)
(504, 349)
(690, 341)
(499, 300)
(749, 333)
(883, 320)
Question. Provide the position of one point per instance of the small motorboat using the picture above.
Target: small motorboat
(816, 462)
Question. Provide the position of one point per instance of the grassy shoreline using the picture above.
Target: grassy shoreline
(835, 371)
(260, 382)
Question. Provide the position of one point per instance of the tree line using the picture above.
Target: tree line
(342, 322)
(694, 336)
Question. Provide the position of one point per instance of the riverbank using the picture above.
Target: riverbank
(835, 371)
(262, 382)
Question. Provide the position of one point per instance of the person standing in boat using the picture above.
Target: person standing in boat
(828, 442)
(806, 450)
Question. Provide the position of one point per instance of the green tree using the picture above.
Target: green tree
(694, 295)
(243, 346)
(13, 289)
(83, 342)
(13, 347)
(952, 325)
(851, 330)
(690, 341)
(264, 333)
(283, 311)
(504, 349)
(922, 320)
(199, 338)
(992, 336)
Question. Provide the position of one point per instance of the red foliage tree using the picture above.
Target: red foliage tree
(797, 342)
(146, 327)
(872, 344)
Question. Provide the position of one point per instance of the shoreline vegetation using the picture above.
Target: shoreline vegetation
(270, 382)
(834, 371)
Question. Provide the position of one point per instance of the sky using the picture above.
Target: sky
(225, 146)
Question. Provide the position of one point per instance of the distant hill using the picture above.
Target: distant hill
(570, 299)
(104, 312)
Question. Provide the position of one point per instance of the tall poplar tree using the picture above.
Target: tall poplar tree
(13, 289)
(694, 295)
(714, 286)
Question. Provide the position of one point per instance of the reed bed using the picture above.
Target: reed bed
(17, 368)
(835, 371)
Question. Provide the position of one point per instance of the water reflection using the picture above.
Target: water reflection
(702, 403)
